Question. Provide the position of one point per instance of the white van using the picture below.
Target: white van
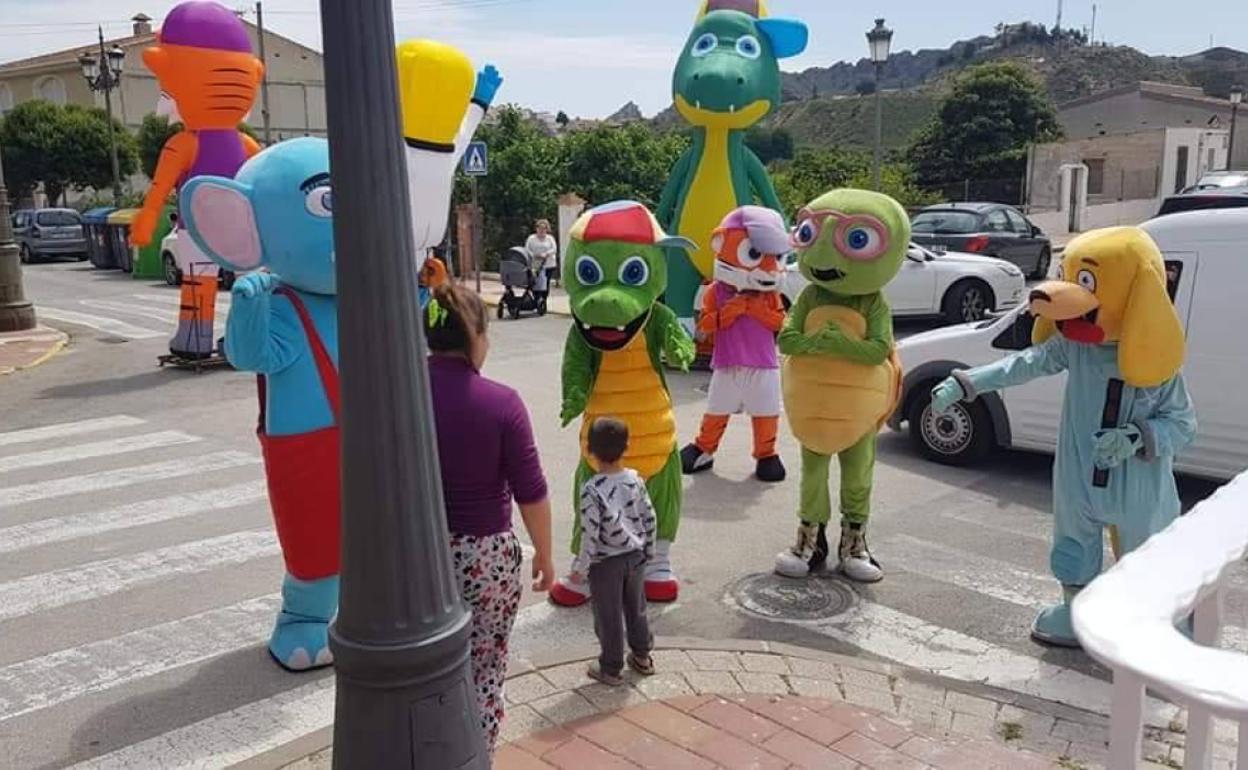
(1206, 255)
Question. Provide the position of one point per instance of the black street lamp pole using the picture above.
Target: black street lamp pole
(400, 641)
(16, 312)
(879, 38)
(105, 75)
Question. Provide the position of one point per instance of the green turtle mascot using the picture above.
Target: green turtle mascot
(840, 376)
(614, 272)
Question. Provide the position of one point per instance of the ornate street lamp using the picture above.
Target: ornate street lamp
(104, 75)
(1237, 96)
(879, 39)
(16, 312)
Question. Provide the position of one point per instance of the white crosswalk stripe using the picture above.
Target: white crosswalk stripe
(100, 323)
(198, 512)
(107, 448)
(94, 482)
(102, 578)
(130, 515)
(67, 429)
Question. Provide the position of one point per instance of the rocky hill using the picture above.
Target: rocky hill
(830, 106)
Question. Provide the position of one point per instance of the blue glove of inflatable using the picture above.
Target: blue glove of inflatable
(254, 285)
(488, 82)
(946, 394)
(1113, 446)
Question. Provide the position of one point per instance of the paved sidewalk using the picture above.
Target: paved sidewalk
(750, 704)
(22, 350)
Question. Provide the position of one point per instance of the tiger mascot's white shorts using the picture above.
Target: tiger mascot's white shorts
(737, 389)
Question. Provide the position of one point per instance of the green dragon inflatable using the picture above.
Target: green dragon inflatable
(727, 79)
(614, 273)
(841, 378)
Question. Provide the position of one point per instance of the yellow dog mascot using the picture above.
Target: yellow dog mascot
(1108, 322)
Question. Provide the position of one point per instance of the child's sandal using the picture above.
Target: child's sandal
(643, 665)
(611, 680)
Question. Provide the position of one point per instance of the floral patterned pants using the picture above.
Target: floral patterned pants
(488, 568)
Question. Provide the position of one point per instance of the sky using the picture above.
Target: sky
(589, 57)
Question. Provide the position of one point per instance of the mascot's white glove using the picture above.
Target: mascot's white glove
(946, 394)
(1113, 446)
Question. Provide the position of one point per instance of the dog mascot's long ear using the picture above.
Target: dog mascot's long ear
(1151, 345)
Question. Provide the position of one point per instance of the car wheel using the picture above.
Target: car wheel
(25, 255)
(967, 301)
(1042, 265)
(173, 276)
(500, 309)
(513, 310)
(961, 436)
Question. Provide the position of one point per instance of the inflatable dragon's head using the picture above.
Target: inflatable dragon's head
(615, 271)
(728, 75)
(851, 241)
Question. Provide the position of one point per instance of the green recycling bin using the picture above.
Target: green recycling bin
(148, 261)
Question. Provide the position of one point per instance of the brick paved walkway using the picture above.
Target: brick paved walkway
(742, 703)
(699, 732)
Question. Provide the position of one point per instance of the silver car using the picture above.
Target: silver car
(44, 233)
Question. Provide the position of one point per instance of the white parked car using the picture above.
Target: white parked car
(1205, 258)
(173, 267)
(959, 287)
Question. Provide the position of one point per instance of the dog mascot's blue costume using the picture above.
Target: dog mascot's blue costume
(1126, 411)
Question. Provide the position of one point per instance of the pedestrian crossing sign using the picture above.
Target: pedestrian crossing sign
(476, 159)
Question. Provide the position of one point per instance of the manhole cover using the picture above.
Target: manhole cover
(778, 598)
(112, 340)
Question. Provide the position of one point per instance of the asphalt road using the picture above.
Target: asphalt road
(138, 566)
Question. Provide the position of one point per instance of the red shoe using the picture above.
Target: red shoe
(564, 593)
(660, 591)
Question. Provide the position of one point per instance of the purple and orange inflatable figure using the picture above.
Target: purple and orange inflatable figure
(204, 62)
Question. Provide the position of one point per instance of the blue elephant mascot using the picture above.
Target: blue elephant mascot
(275, 218)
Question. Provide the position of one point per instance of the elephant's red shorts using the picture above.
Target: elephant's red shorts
(304, 492)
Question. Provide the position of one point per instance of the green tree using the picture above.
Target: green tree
(30, 135)
(62, 148)
(155, 131)
(770, 144)
(813, 172)
(630, 162)
(84, 156)
(525, 180)
(983, 127)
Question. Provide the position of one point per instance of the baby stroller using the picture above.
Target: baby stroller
(517, 272)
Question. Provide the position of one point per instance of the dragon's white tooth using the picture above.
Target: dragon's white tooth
(619, 328)
(732, 108)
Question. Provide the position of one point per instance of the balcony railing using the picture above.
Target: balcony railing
(1127, 620)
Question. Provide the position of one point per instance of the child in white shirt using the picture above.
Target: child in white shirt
(617, 539)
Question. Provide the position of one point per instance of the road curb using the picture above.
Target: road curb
(20, 351)
(920, 696)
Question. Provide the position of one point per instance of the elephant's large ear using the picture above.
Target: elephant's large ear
(221, 221)
(788, 37)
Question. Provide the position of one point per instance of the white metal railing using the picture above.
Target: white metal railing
(1126, 619)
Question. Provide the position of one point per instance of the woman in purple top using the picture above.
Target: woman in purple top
(488, 459)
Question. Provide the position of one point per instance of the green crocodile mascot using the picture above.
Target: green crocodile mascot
(727, 79)
(841, 378)
(614, 272)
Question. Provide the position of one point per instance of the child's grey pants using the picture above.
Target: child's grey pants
(617, 585)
